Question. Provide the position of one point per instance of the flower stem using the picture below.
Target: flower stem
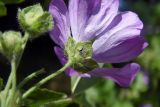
(8, 85)
(43, 81)
(75, 84)
(11, 82)
(14, 80)
(10, 99)
(28, 78)
(25, 38)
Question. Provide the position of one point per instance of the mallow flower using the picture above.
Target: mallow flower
(100, 32)
(146, 105)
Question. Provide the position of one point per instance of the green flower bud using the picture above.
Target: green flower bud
(34, 20)
(81, 55)
(11, 44)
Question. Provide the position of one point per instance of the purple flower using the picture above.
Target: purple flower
(116, 35)
(146, 105)
(146, 78)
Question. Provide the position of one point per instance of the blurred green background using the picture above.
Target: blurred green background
(144, 92)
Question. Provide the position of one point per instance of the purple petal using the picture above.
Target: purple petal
(86, 14)
(122, 52)
(123, 76)
(60, 54)
(146, 79)
(122, 42)
(146, 105)
(61, 30)
(124, 20)
(72, 72)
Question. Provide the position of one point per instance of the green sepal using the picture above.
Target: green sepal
(78, 51)
(81, 55)
(85, 65)
(83, 50)
(70, 48)
(42, 25)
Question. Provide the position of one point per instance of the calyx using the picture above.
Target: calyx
(80, 53)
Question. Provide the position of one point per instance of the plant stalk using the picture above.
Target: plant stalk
(76, 84)
(43, 81)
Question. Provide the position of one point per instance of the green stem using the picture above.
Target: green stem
(14, 80)
(8, 85)
(25, 38)
(10, 99)
(43, 81)
(11, 82)
(31, 76)
(76, 84)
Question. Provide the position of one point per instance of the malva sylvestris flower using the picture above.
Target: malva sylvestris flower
(116, 36)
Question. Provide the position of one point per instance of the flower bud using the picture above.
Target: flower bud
(11, 43)
(34, 20)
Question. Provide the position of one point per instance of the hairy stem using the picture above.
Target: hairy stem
(43, 81)
(11, 83)
(10, 98)
(25, 38)
(29, 77)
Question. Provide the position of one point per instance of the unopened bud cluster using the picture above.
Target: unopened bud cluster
(11, 43)
(35, 20)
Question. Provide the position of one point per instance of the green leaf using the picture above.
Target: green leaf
(83, 84)
(104, 94)
(92, 96)
(122, 104)
(3, 9)
(12, 1)
(41, 97)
